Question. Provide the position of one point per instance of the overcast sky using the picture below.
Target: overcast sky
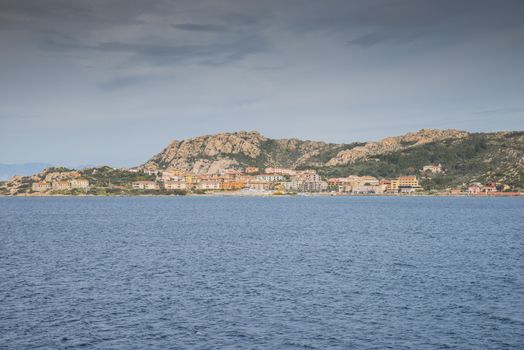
(112, 82)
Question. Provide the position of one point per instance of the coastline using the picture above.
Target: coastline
(254, 194)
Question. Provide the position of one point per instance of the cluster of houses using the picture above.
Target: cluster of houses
(60, 181)
(371, 185)
(269, 180)
(490, 187)
(275, 179)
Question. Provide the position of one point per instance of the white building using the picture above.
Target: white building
(280, 171)
(80, 183)
(314, 186)
(293, 185)
(208, 185)
(145, 185)
(175, 185)
(434, 169)
(270, 177)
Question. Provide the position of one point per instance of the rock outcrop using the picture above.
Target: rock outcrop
(215, 153)
(394, 144)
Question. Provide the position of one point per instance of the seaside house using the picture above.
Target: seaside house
(474, 188)
(61, 185)
(232, 185)
(368, 181)
(270, 177)
(292, 185)
(258, 185)
(404, 184)
(455, 191)
(314, 186)
(80, 183)
(171, 174)
(489, 188)
(175, 185)
(384, 185)
(41, 186)
(208, 185)
(365, 189)
(145, 185)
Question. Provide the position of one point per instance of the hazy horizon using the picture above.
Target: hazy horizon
(96, 82)
(86, 164)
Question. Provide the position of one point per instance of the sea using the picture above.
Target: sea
(216, 272)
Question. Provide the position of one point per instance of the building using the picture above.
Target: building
(258, 185)
(337, 182)
(292, 185)
(280, 171)
(232, 185)
(406, 189)
(175, 185)
(384, 185)
(41, 186)
(306, 175)
(61, 185)
(489, 188)
(404, 182)
(145, 185)
(368, 181)
(80, 183)
(474, 188)
(365, 189)
(314, 186)
(432, 168)
(252, 170)
(151, 169)
(171, 174)
(270, 177)
(208, 185)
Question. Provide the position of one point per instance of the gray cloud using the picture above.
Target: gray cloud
(120, 82)
(371, 39)
(164, 54)
(338, 70)
(499, 111)
(192, 27)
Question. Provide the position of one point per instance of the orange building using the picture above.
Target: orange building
(232, 185)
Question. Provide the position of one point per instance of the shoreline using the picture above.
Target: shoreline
(240, 194)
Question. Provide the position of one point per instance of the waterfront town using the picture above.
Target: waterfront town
(248, 181)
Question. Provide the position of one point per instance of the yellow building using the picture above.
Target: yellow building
(404, 181)
(189, 179)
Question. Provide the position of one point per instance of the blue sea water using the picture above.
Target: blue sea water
(262, 273)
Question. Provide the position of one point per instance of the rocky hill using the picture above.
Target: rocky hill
(464, 156)
(213, 153)
(394, 144)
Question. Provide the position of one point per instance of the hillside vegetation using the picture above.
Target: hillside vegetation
(465, 157)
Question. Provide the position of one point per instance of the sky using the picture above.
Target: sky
(114, 81)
